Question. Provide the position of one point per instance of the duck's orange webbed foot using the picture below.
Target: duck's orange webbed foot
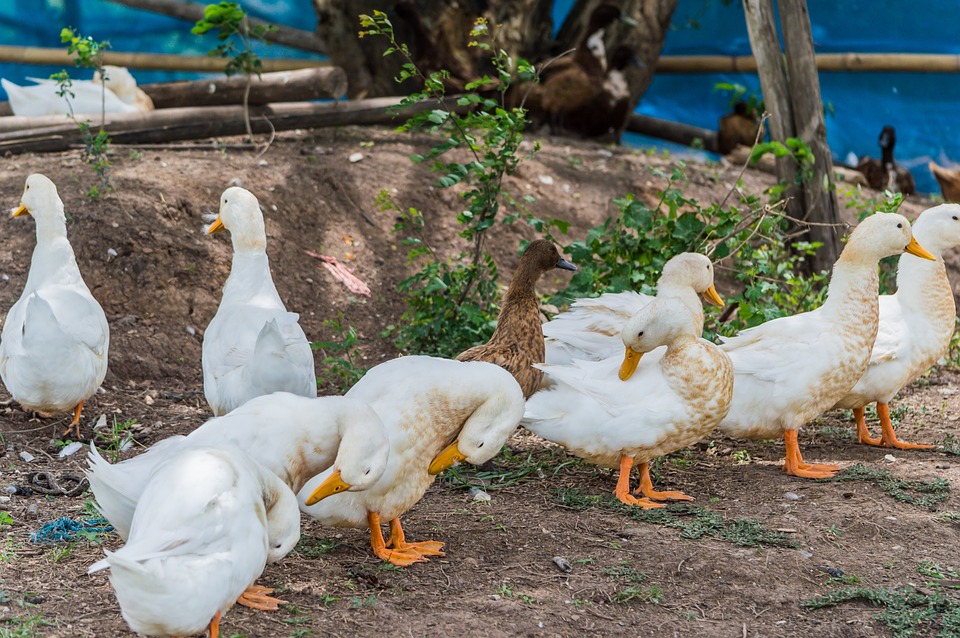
(622, 490)
(888, 436)
(863, 434)
(646, 488)
(256, 597)
(75, 424)
(398, 541)
(399, 557)
(794, 465)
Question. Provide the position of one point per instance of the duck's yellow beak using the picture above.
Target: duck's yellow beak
(20, 210)
(713, 296)
(914, 248)
(451, 455)
(216, 226)
(631, 359)
(332, 485)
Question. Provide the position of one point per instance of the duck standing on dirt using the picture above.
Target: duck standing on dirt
(436, 413)
(617, 414)
(916, 325)
(53, 348)
(789, 370)
(590, 330)
(517, 341)
(200, 537)
(252, 346)
(949, 180)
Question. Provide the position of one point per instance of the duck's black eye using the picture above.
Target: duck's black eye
(367, 472)
(899, 225)
(954, 218)
(480, 444)
(640, 334)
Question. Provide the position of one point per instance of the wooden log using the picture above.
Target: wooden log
(155, 61)
(820, 204)
(283, 86)
(193, 11)
(672, 131)
(826, 62)
(167, 125)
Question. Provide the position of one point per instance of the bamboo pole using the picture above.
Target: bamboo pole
(829, 62)
(193, 12)
(155, 61)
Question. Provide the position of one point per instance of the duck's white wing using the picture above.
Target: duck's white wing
(79, 315)
(590, 330)
(892, 334)
(42, 99)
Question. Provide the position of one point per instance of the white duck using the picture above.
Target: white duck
(789, 370)
(121, 95)
(590, 330)
(292, 436)
(53, 348)
(436, 412)
(916, 325)
(252, 346)
(199, 539)
(675, 398)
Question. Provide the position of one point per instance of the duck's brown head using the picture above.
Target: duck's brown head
(542, 256)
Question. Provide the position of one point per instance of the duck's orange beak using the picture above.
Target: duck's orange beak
(216, 226)
(20, 210)
(451, 455)
(914, 248)
(631, 359)
(332, 485)
(713, 296)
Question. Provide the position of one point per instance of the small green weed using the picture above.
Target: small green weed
(626, 573)
(941, 577)
(926, 494)
(907, 612)
(339, 360)
(6, 518)
(949, 444)
(23, 626)
(949, 517)
(114, 440)
(692, 521)
(509, 469)
(363, 603)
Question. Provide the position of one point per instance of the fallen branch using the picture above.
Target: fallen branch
(672, 131)
(282, 86)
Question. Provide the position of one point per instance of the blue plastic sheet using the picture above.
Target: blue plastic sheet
(923, 107)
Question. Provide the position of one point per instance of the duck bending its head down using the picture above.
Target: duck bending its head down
(53, 349)
(517, 343)
(436, 412)
(791, 369)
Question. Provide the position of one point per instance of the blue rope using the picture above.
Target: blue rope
(67, 530)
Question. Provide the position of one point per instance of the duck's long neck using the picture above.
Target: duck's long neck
(520, 297)
(53, 260)
(249, 275)
(922, 285)
(886, 155)
(689, 297)
(853, 291)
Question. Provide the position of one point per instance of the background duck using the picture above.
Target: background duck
(53, 348)
(436, 413)
(916, 325)
(517, 341)
(199, 538)
(252, 346)
(590, 330)
(121, 95)
(884, 173)
(737, 128)
(789, 370)
(647, 409)
(949, 180)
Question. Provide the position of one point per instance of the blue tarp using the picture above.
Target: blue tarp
(920, 106)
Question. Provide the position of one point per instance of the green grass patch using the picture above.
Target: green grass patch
(906, 611)
(693, 521)
(949, 444)
(311, 547)
(509, 469)
(949, 517)
(927, 494)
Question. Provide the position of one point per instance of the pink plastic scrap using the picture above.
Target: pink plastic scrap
(342, 274)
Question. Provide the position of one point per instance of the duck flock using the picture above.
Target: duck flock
(618, 380)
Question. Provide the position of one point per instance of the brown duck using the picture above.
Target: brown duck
(737, 128)
(949, 180)
(517, 343)
(884, 173)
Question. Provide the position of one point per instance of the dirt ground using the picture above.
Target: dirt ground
(550, 554)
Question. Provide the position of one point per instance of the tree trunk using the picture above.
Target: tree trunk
(819, 193)
(791, 93)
